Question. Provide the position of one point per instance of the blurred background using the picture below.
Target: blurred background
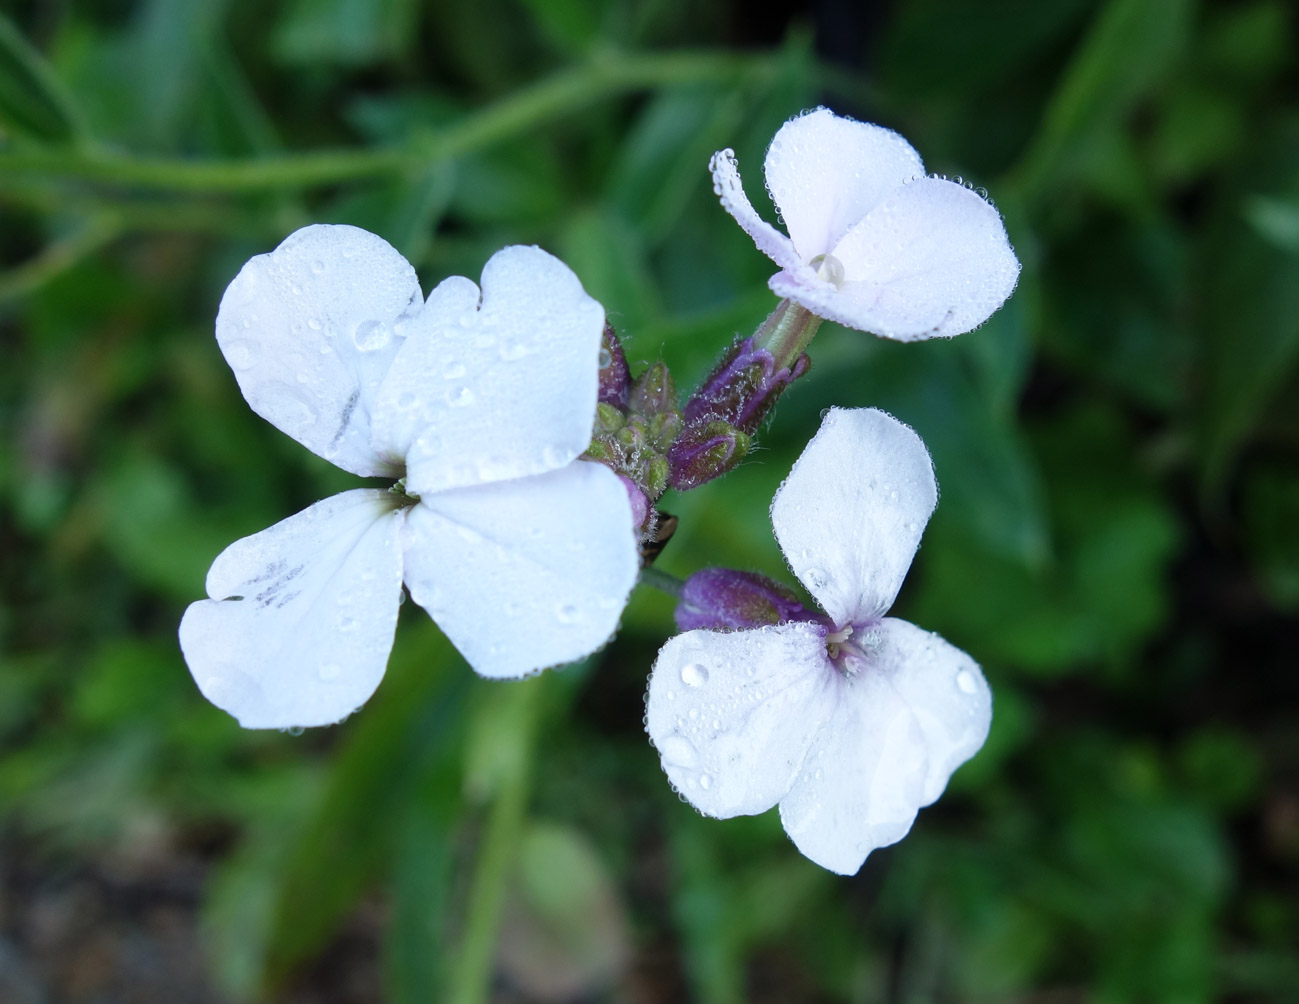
(1117, 540)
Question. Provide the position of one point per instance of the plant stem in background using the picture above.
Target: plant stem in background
(471, 971)
(605, 76)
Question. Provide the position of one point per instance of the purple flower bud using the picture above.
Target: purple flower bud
(704, 452)
(615, 378)
(722, 599)
(743, 387)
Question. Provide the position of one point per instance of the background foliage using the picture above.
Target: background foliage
(1117, 542)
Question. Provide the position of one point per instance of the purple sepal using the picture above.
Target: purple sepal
(722, 599)
(704, 452)
(615, 377)
(743, 387)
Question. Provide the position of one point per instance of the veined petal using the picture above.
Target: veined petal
(850, 515)
(729, 188)
(528, 573)
(826, 172)
(930, 261)
(733, 714)
(310, 330)
(912, 715)
(301, 615)
(505, 389)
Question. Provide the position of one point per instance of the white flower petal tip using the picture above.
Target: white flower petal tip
(875, 245)
(301, 616)
(850, 725)
(310, 330)
(498, 384)
(482, 399)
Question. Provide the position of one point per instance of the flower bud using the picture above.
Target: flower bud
(704, 452)
(743, 387)
(615, 378)
(722, 599)
(654, 392)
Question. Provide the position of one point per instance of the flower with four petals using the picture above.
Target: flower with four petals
(853, 721)
(873, 244)
(480, 401)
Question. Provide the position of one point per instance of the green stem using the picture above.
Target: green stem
(787, 333)
(662, 581)
(605, 76)
(471, 975)
(57, 258)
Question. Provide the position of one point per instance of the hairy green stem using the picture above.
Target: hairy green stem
(606, 75)
(787, 333)
(662, 581)
(497, 850)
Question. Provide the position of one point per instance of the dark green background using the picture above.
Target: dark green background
(1117, 540)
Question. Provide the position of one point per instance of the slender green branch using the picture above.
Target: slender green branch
(57, 258)
(604, 77)
(660, 580)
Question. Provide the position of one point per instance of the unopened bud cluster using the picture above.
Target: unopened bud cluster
(653, 445)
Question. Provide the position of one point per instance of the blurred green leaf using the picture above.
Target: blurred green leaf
(1129, 48)
(33, 103)
(346, 32)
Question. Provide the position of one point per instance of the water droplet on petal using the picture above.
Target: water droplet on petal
(966, 682)
(510, 351)
(568, 613)
(678, 751)
(406, 400)
(317, 266)
(453, 371)
(705, 781)
(370, 335)
(461, 398)
(313, 323)
(242, 355)
(815, 578)
(330, 671)
(606, 359)
(694, 674)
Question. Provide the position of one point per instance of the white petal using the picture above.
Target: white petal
(732, 714)
(301, 615)
(825, 173)
(727, 185)
(932, 260)
(310, 331)
(850, 515)
(497, 391)
(916, 712)
(525, 574)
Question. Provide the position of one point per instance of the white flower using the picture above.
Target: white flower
(481, 401)
(850, 725)
(873, 243)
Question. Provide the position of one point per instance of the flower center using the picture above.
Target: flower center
(403, 497)
(850, 654)
(829, 269)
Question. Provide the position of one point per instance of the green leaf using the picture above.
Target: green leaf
(408, 730)
(1128, 51)
(33, 103)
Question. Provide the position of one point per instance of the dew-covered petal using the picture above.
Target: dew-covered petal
(930, 261)
(497, 390)
(310, 330)
(727, 185)
(525, 574)
(826, 172)
(850, 515)
(918, 710)
(732, 714)
(301, 616)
